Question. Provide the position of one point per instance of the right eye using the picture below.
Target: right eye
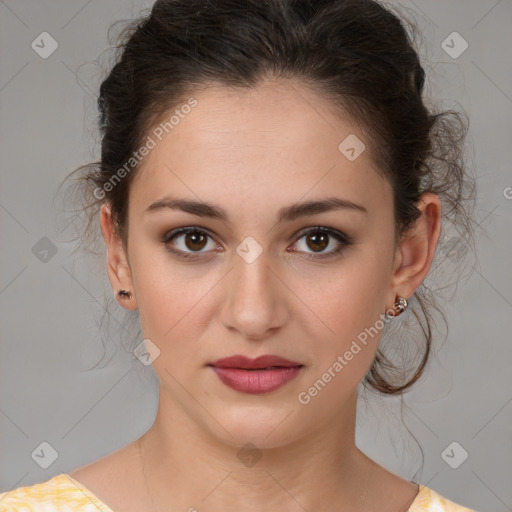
(190, 239)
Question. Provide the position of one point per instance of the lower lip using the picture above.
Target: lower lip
(256, 381)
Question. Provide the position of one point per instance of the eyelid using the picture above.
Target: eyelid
(325, 229)
(184, 230)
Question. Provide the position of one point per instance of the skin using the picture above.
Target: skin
(253, 152)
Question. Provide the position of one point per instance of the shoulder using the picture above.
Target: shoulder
(60, 493)
(429, 500)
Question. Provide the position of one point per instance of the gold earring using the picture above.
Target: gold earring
(124, 294)
(399, 306)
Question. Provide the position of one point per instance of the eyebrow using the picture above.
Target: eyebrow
(285, 214)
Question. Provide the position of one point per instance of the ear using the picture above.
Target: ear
(416, 249)
(118, 268)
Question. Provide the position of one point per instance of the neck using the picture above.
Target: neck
(190, 468)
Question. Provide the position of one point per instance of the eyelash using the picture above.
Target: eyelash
(343, 239)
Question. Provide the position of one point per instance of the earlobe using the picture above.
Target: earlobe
(417, 247)
(118, 268)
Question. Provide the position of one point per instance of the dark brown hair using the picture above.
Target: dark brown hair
(358, 54)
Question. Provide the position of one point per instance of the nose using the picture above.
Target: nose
(255, 299)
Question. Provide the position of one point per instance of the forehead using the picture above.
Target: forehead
(278, 141)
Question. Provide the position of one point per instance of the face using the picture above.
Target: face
(260, 278)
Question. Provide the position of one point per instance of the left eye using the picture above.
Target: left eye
(193, 240)
(320, 238)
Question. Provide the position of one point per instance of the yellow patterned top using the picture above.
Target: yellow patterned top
(62, 493)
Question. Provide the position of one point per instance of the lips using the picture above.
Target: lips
(246, 363)
(255, 376)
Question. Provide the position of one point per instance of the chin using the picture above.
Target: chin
(263, 427)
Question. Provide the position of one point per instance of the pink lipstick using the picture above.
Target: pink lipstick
(255, 376)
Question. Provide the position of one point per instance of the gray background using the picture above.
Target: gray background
(51, 304)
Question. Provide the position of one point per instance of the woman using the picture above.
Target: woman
(271, 193)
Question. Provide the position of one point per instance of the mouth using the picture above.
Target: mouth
(255, 376)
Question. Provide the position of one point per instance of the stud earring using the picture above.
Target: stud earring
(399, 306)
(124, 294)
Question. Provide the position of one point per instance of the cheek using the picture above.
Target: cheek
(351, 294)
(161, 290)
(172, 300)
(343, 313)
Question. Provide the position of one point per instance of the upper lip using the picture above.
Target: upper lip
(239, 361)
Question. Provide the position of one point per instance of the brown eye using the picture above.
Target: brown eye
(317, 240)
(195, 241)
(190, 242)
(184, 242)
